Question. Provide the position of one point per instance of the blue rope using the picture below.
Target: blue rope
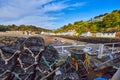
(28, 75)
(16, 75)
(68, 61)
(48, 63)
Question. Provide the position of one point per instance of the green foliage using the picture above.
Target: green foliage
(110, 19)
(4, 28)
(102, 15)
(110, 22)
(22, 28)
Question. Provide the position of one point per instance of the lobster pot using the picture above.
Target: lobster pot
(26, 59)
(49, 56)
(82, 69)
(8, 61)
(78, 55)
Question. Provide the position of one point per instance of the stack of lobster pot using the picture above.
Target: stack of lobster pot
(8, 56)
(32, 60)
(73, 68)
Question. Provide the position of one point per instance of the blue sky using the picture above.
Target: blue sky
(52, 14)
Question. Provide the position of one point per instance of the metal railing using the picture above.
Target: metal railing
(104, 49)
(63, 47)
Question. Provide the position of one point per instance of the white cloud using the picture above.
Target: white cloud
(78, 4)
(18, 8)
(32, 12)
(42, 21)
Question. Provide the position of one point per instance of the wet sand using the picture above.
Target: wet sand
(48, 39)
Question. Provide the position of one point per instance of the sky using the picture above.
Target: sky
(53, 14)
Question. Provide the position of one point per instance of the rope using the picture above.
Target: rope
(16, 75)
(21, 64)
(5, 72)
(37, 68)
(74, 63)
(33, 53)
(6, 60)
(28, 75)
(25, 48)
(48, 63)
(35, 57)
(87, 61)
(44, 77)
(69, 61)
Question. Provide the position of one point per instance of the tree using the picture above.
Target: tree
(110, 19)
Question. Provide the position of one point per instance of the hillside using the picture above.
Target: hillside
(22, 28)
(108, 22)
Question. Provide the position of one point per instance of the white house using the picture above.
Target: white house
(68, 33)
(87, 34)
(47, 33)
(108, 34)
(99, 34)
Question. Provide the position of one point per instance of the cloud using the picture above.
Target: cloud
(53, 7)
(33, 12)
(78, 4)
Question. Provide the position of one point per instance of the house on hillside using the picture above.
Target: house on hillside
(99, 34)
(97, 19)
